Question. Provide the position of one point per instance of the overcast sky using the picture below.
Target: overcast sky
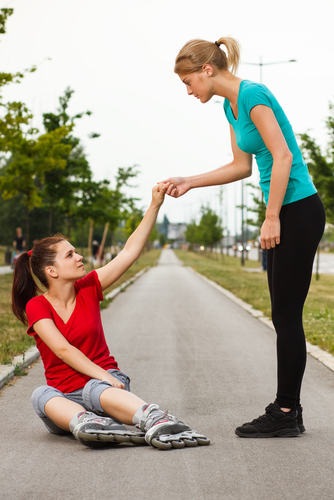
(118, 56)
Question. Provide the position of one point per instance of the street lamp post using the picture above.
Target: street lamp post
(261, 64)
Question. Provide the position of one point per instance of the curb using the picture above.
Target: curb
(22, 361)
(324, 357)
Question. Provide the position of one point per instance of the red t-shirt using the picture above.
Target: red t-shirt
(83, 330)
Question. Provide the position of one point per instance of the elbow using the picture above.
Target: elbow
(288, 158)
(247, 171)
(284, 158)
(63, 353)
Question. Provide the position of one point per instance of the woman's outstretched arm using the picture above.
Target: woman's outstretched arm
(112, 271)
(239, 168)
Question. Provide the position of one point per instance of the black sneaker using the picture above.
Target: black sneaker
(300, 418)
(274, 423)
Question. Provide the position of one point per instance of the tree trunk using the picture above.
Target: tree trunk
(90, 237)
(27, 229)
(103, 239)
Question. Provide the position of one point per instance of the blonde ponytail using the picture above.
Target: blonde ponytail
(196, 53)
(233, 50)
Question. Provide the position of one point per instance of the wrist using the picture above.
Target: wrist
(272, 216)
(155, 206)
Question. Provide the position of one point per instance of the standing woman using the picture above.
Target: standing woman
(295, 216)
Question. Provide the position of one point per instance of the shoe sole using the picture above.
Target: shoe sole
(281, 433)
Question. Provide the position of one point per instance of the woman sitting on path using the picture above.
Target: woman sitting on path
(295, 216)
(86, 393)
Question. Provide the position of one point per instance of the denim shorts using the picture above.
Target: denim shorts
(88, 397)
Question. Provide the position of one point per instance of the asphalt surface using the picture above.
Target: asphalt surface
(190, 349)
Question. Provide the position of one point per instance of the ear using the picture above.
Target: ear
(207, 69)
(51, 271)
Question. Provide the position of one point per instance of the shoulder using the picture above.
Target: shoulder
(91, 284)
(252, 90)
(38, 308)
(253, 94)
(37, 303)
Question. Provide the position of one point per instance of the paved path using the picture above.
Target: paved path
(190, 349)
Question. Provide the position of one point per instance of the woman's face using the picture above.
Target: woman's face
(199, 85)
(68, 264)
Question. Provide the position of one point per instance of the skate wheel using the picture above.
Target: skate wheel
(121, 439)
(178, 444)
(106, 438)
(87, 437)
(159, 444)
(190, 442)
(137, 439)
(203, 441)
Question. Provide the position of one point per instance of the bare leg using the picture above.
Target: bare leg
(61, 410)
(120, 404)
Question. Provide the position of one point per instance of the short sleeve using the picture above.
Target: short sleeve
(92, 284)
(256, 95)
(37, 308)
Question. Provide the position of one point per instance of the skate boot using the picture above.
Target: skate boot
(164, 431)
(89, 428)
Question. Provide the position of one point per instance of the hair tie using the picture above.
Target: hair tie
(30, 252)
(218, 45)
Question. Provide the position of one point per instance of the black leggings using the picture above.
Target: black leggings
(289, 267)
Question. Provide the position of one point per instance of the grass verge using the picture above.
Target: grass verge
(253, 289)
(13, 337)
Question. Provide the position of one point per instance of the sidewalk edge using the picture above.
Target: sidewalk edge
(324, 357)
(22, 361)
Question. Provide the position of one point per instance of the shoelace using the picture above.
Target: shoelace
(157, 419)
(262, 417)
(95, 418)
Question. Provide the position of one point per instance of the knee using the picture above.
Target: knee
(91, 394)
(36, 400)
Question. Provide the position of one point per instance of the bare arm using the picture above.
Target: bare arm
(51, 336)
(112, 271)
(266, 123)
(239, 168)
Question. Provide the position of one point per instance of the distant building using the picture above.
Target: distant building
(176, 233)
(163, 227)
(173, 232)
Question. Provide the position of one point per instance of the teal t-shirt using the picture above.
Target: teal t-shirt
(249, 140)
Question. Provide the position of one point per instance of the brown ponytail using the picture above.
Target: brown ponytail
(196, 53)
(24, 286)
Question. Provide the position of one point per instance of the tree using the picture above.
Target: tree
(13, 115)
(192, 234)
(210, 229)
(208, 232)
(64, 186)
(29, 162)
(321, 166)
(259, 208)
